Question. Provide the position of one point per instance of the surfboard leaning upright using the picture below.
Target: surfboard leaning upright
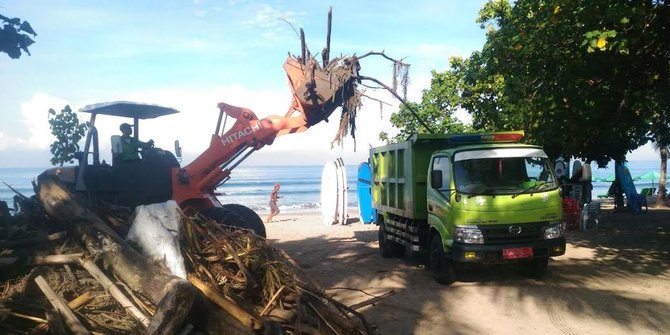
(364, 189)
(342, 199)
(329, 194)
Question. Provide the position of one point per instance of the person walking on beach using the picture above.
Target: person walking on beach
(274, 210)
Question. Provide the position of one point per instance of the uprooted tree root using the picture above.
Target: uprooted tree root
(321, 87)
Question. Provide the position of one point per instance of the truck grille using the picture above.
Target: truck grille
(501, 234)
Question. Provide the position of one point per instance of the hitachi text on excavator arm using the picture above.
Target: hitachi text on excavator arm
(316, 94)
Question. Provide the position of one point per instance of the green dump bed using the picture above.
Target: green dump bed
(399, 175)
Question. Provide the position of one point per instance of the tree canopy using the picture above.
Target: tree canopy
(14, 36)
(588, 79)
(68, 131)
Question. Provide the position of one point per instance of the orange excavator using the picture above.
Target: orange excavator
(158, 176)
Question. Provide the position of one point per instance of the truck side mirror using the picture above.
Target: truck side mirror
(436, 179)
(177, 149)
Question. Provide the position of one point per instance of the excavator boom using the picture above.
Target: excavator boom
(316, 92)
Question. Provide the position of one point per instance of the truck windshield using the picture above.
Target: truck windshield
(503, 171)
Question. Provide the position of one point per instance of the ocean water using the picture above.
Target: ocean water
(300, 185)
(248, 185)
(636, 168)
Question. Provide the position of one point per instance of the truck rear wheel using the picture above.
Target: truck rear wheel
(388, 248)
(254, 221)
(441, 267)
(535, 268)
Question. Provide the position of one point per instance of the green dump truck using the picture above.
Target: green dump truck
(467, 198)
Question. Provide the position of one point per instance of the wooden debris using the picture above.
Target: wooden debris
(286, 295)
(135, 270)
(173, 308)
(114, 291)
(61, 306)
(274, 298)
(227, 305)
(373, 300)
(42, 260)
(80, 301)
(56, 259)
(27, 317)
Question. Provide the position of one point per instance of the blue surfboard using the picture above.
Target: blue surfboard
(364, 187)
(623, 174)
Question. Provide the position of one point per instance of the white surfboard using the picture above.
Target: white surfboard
(329, 194)
(338, 214)
(342, 192)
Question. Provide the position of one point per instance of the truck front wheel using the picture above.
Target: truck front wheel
(441, 266)
(388, 248)
(535, 268)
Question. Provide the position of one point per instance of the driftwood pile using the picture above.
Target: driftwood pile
(65, 266)
(73, 273)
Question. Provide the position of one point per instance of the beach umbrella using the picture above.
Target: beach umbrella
(597, 179)
(611, 178)
(651, 175)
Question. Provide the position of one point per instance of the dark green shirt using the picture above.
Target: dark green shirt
(129, 148)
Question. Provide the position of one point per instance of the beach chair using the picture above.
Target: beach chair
(571, 213)
(648, 191)
(609, 194)
(648, 194)
(590, 216)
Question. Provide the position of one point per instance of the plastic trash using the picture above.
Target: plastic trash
(155, 231)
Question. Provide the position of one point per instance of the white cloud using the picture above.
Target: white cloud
(645, 152)
(195, 123)
(34, 115)
(267, 16)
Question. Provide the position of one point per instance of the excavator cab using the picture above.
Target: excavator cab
(126, 183)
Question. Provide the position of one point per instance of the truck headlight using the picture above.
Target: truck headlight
(468, 235)
(553, 231)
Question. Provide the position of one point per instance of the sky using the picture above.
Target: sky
(191, 55)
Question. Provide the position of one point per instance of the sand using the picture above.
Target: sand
(611, 281)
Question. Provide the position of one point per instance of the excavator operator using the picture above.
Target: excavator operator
(130, 145)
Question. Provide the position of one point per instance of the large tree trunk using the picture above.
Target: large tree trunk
(141, 275)
(618, 194)
(661, 199)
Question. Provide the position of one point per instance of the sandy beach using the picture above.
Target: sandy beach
(612, 281)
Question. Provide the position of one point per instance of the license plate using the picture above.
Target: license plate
(515, 253)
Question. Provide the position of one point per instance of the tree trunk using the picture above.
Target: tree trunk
(618, 190)
(140, 274)
(661, 199)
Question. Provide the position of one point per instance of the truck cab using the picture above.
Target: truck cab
(483, 198)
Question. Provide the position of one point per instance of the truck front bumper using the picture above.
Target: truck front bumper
(482, 253)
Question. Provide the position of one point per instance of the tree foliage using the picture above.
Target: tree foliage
(14, 36)
(435, 109)
(68, 131)
(588, 79)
